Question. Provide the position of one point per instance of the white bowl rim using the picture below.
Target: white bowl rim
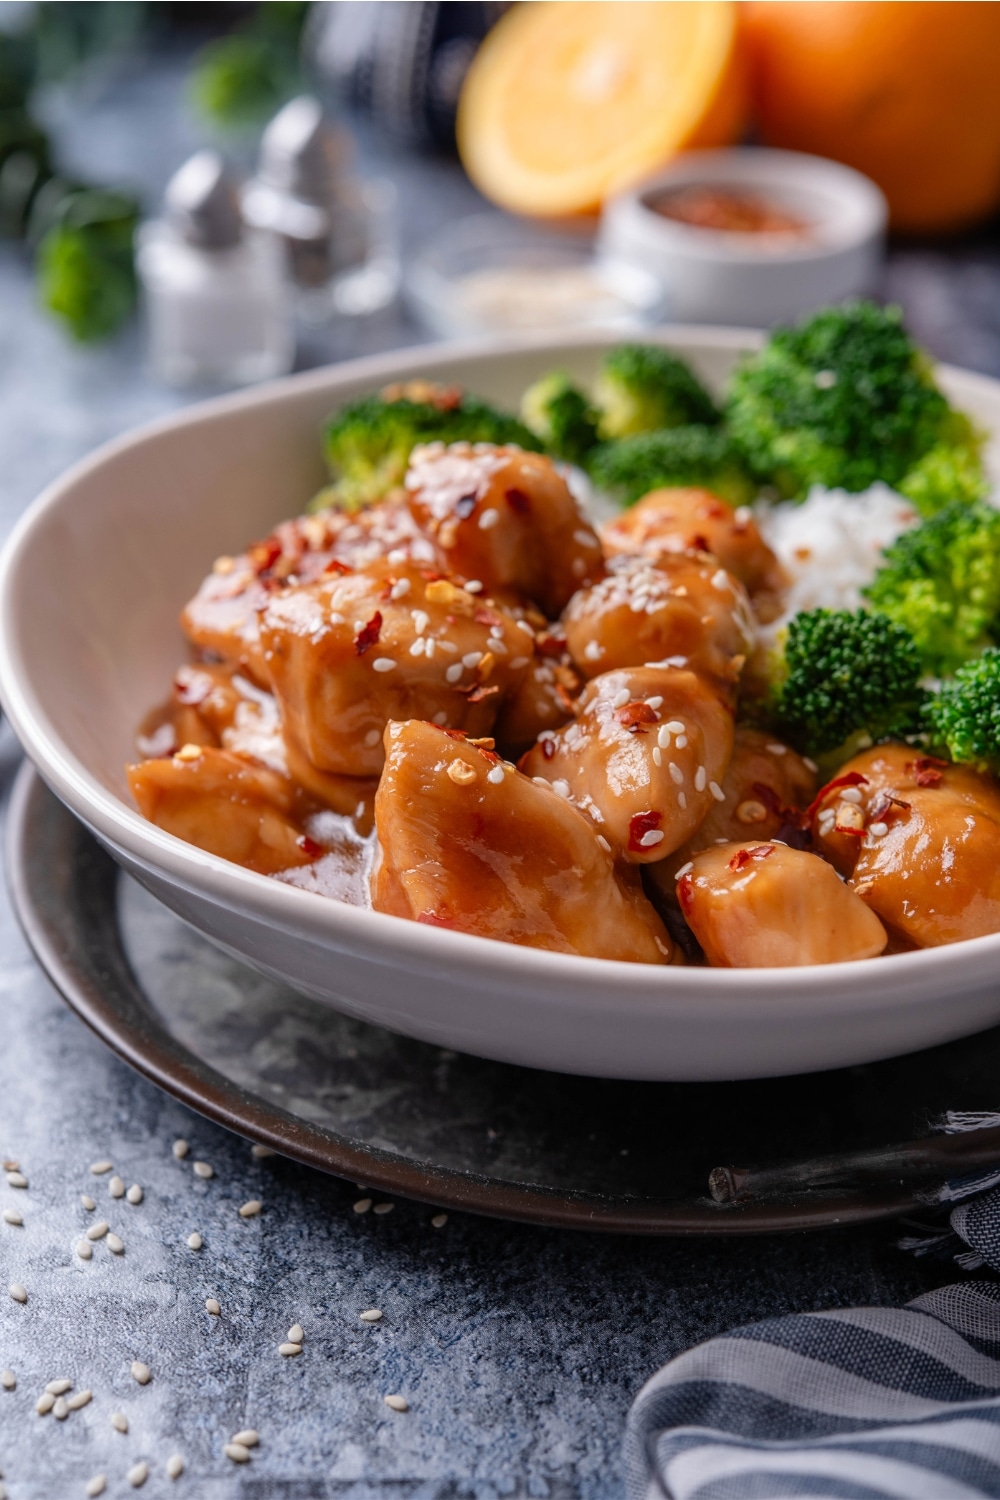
(760, 166)
(357, 929)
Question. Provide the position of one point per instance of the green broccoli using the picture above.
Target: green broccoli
(950, 471)
(941, 581)
(705, 457)
(840, 680)
(641, 387)
(368, 444)
(842, 400)
(561, 416)
(964, 715)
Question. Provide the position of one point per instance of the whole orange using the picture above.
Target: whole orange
(907, 92)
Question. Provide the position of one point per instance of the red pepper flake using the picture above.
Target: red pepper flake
(336, 566)
(565, 699)
(548, 749)
(447, 398)
(518, 501)
(479, 693)
(191, 686)
(639, 824)
(742, 857)
(547, 644)
(852, 778)
(262, 556)
(885, 805)
(368, 634)
(432, 919)
(485, 616)
(453, 734)
(309, 846)
(685, 893)
(927, 770)
(634, 715)
(431, 575)
(699, 543)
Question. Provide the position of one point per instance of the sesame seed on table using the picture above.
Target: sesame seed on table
(505, 1355)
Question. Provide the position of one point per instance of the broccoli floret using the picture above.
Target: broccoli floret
(561, 416)
(641, 387)
(368, 444)
(964, 715)
(705, 457)
(842, 400)
(941, 581)
(951, 471)
(840, 677)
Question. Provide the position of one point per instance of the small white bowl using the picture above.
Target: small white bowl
(90, 586)
(715, 276)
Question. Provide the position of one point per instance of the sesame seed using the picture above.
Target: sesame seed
(116, 1245)
(289, 1350)
(45, 1403)
(593, 651)
(248, 1437)
(717, 792)
(675, 726)
(775, 749)
(295, 1334)
(440, 719)
(396, 1403)
(400, 589)
(203, 1169)
(137, 1475)
(372, 737)
(684, 869)
(682, 800)
(682, 741)
(495, 777)
(175, 1466)
(387, 1208)
(11, 1216)
(95, 1486)
(655, 703)
(141, 1373)
(383, 664)
(212, 1306)
(488, 519)
(79, 1400)
(472, 659)
(134, 1195)
(188, 753)
(417, 648)
(560, 787)
(474, 586)
(454, 672)
(810, 765)
(59, 1387)
(878, 830)
(604, 845)
(439, 1221)
(364, 1204)
(663, 737)
(85, 1250)
(119, 1421)
(180, 1149)
(261, 1153)
(621, 698)
(116, 1187)
(676, 774)
(88, 1202)
(237, 1453)
(99, 1230)
(700, 779)
(18, 1292)
(652, 838)
(8, 1380)
(850, 794)
(60, 1411)
(519, 661)
(195, 1241)
(250, 1209)
(100, 1167)
(373, 1315)
(17, 1180)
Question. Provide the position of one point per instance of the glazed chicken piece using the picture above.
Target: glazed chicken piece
(679, 609)
(223, 616)
(351, 651)
(226, 805)
(504, 518)
(545, 699)
(680, 520)
(757, 905)
(922, 840)
(467, 842)
(764, 789)
(644, 758)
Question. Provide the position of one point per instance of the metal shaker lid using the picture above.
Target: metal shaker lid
(202, 202)
(302, 153)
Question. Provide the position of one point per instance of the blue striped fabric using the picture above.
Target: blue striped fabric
(856, 1404)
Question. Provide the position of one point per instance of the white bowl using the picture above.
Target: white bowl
(90, 586)
(714, 277)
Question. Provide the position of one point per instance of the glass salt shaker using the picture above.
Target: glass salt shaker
(217, 298)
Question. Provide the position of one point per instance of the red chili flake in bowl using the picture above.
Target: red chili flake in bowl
(547, 644)
(368, 634)
(640, 824)
(479, 693)
(336, 566)
(633, 716)
(518, 501)
(852, 778)
(309, 846)
(927, 770)
(742, 857)
(685, 893)
(263, 555)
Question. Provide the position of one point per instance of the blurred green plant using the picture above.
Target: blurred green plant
(240, 80)
(85, 260)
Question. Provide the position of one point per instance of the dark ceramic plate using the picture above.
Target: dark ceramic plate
(407, 1118)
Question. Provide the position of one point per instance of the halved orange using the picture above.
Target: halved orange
(568, 103)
